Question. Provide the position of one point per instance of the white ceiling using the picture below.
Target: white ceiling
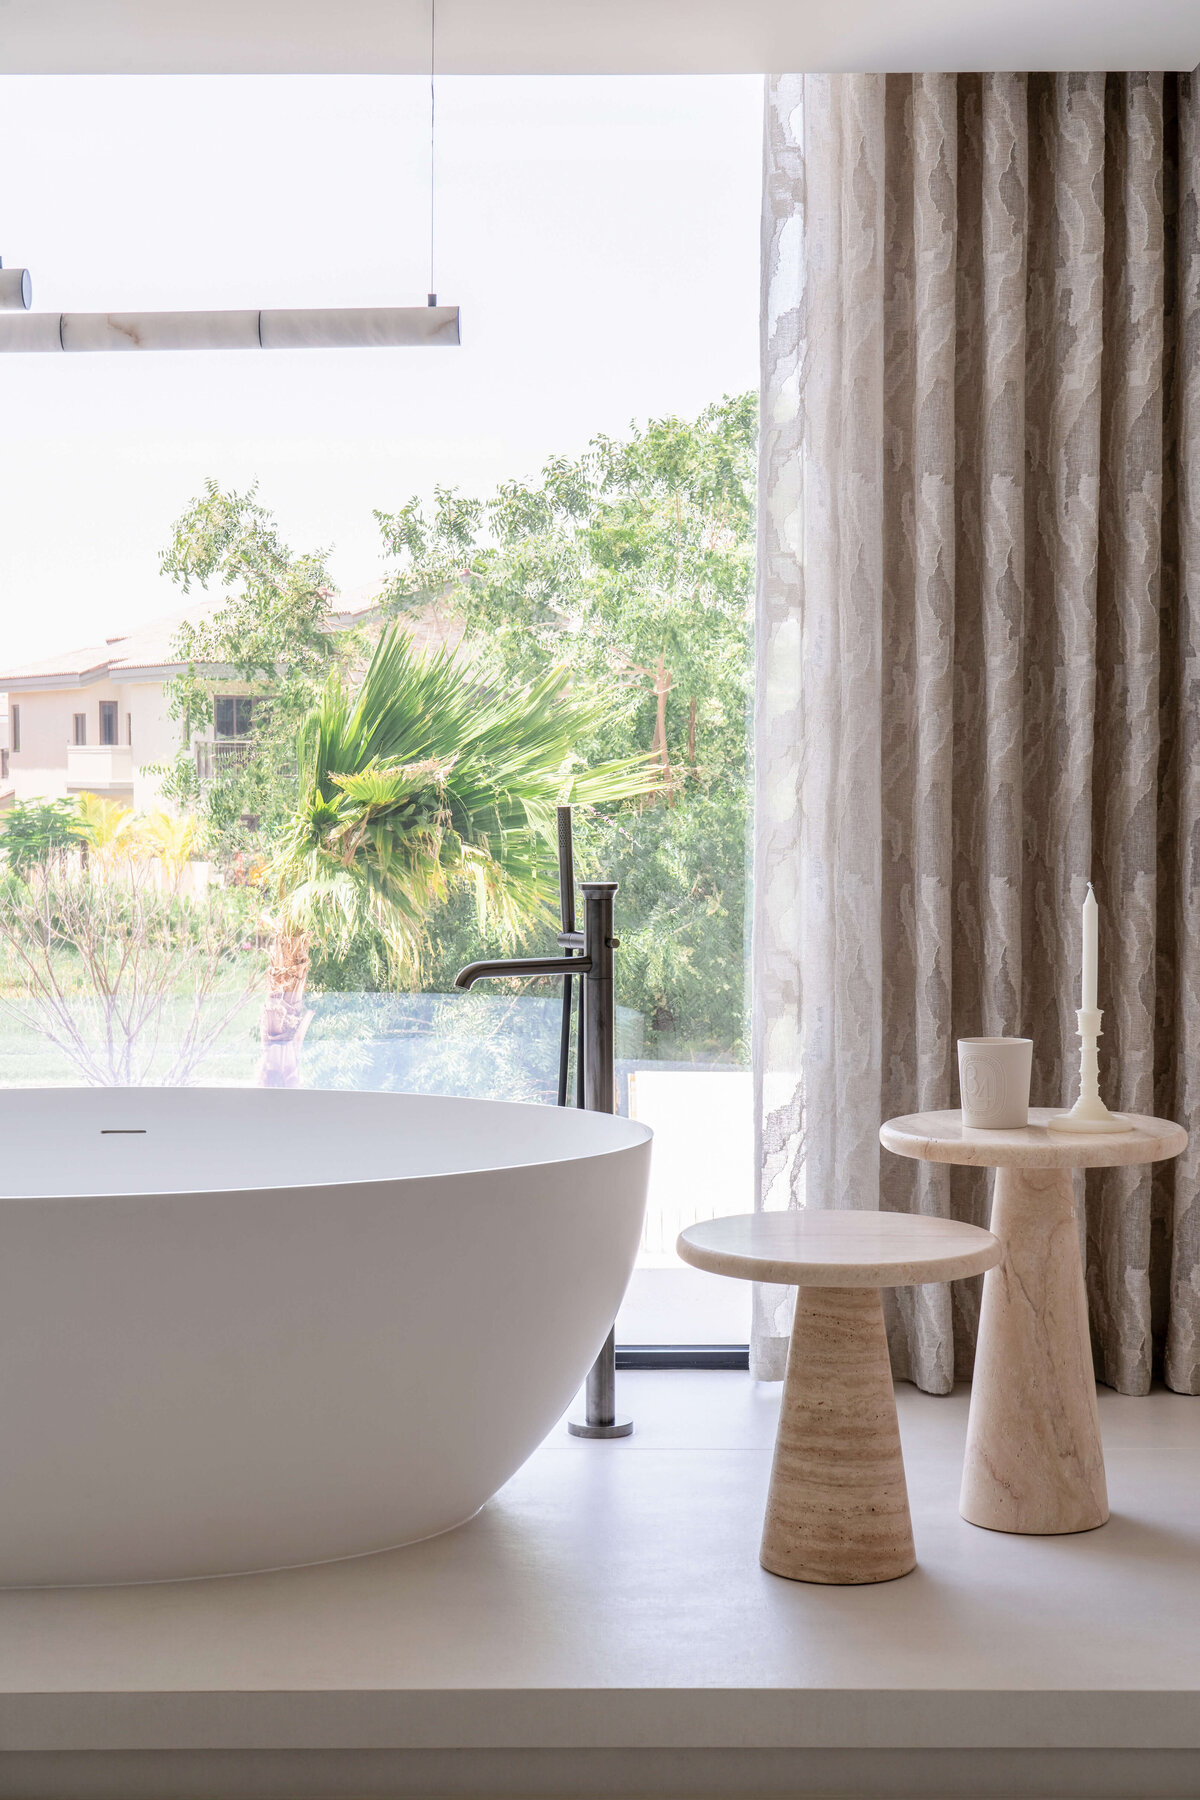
(477, 37)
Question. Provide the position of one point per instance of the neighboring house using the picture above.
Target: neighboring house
(95, 720)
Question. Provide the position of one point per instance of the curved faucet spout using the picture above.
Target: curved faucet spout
(522, 967)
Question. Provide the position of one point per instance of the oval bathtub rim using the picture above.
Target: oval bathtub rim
(644, 1136)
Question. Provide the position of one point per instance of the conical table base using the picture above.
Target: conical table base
(1034, 1460)
(837, 1509)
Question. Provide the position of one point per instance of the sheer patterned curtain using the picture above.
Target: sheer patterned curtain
(979, 652)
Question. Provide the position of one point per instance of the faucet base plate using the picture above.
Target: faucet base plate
(618, 1428)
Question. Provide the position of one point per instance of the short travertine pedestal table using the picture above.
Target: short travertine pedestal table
(837, 1510)
(1034, 1461)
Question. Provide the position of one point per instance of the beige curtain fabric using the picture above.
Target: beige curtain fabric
(979, 653)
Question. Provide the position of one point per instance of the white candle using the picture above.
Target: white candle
(1090, 935)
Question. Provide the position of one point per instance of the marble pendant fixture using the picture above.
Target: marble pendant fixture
(16, 290)
(314, 328)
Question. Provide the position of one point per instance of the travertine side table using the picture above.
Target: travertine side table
(1034, 1461)
(837, 1510)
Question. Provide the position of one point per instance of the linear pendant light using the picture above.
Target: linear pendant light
(312, 328)
(317, 328)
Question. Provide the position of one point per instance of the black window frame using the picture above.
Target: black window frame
(240, 716)
(683, 1356)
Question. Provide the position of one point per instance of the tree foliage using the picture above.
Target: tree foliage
(420, 781)
(632, 566)
(32, 830)
(633, 563)
(626, 573)
(269, 633)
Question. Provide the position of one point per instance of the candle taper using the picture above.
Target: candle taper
(1091, 915)
(1089, 1112)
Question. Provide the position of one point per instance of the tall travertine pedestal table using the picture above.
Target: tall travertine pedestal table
(1034, 1461)
(837, 1510)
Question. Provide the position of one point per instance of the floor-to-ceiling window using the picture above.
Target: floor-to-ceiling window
(572, 488)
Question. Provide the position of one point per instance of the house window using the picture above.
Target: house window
(129, 728)
(16, 728)
(79, 734)
(233, 716)
(108, 722)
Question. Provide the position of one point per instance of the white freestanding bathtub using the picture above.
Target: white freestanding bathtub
(244, 1329)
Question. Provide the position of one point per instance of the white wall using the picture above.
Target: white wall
(155, 737)
(39, 769)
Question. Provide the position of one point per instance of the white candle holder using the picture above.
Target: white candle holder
(1089, 1112)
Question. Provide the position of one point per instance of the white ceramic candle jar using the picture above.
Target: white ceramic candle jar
(993, 1082)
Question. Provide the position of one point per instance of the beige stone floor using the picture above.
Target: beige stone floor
(609, 1602)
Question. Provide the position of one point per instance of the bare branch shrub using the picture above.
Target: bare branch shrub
(124, 978)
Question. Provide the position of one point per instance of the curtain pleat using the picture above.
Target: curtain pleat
(993, 837)
(1177, 1061)
(1125, 788)
(979, 661)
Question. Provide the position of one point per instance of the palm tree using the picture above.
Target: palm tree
(421, 780)
(106, 828)
(116, 837)
(171, 840)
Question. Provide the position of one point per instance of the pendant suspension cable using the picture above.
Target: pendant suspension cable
(315, 328)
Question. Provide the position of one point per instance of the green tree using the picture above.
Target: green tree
(629, 570)
(632, 566)
(31, 831)
(418, 782)
(270, 634)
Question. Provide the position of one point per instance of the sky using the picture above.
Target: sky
(599, 233)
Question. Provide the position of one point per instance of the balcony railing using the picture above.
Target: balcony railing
(225, 756)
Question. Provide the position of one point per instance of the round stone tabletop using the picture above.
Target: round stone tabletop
(942, 1137)
(839, 1249)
